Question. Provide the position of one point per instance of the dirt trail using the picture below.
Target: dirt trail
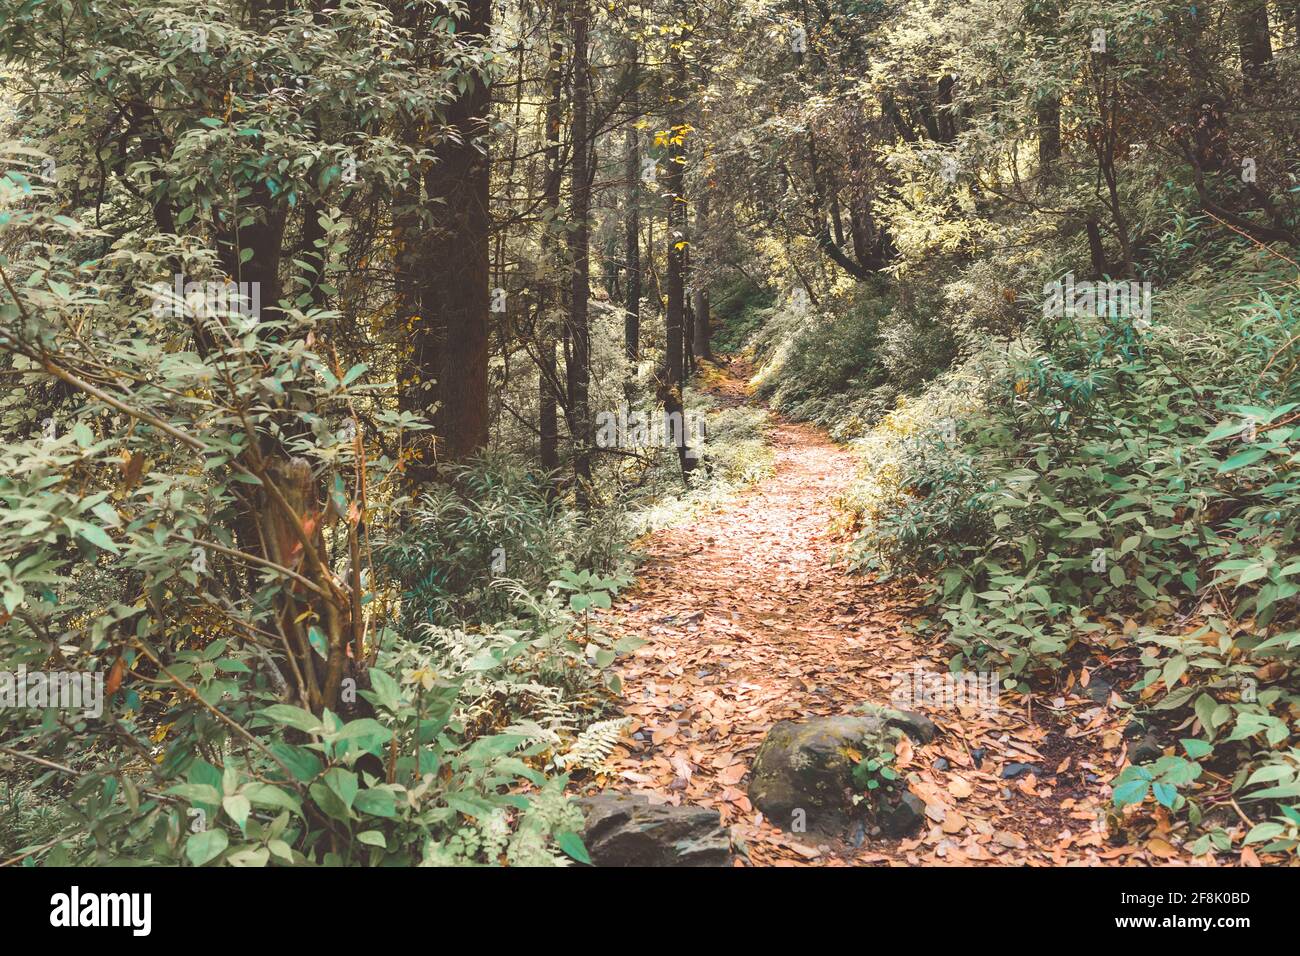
(750, 620)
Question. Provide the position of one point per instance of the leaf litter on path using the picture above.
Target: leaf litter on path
(752, 617)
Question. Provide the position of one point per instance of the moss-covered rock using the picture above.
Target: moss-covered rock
(802, 776)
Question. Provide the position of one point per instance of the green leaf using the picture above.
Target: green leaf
(572, 845)
(266, 795)
(96, 536)
(377, 802)
(343, 783)
(1264, 831)
(1165, 794)
(205, 847)
(1224, 430)
(1204, 708)
(238, 807)
(294, 717)
(197, 793)
(1196, 749)
(1135, 791)
(302, 763)
(629, 643)
(329, 802)
(1242, 459)
(367, 733)
(387, 693)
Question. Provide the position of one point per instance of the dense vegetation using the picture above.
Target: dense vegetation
(310, 315)
(1111, 486)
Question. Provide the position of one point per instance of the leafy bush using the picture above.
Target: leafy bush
(738, 308)
(813, 356)
(494, 519)
(1127, 485)
(194, 531)
(455, 760)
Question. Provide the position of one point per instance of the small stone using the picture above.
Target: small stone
(859, 835)
(1098, 689)
(1147, 749)
(902, 818)
(978, 756)
(940, 763)
(1013, 770)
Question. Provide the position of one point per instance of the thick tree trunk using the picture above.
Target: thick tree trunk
(1253, 42)
(449, 341)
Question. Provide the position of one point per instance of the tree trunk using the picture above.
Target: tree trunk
(632, 199)
(1096, 251)
(1049, 135)
(947, 119)
(547, 369)
(449, 340)
(672, 376)
(579, 254)
(1253, 42)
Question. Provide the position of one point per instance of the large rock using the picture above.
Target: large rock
(626, 830)
(803, 774)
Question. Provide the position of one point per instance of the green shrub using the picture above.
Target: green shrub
(1129, 485)
(738, 309)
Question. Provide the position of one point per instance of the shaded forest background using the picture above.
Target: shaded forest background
(336, 557)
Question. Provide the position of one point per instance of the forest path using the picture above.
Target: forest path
(751, 617)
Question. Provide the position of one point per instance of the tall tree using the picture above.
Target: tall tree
(579, 360)
(672, 375)
(549, 300)
(449, 339)
(632, 214)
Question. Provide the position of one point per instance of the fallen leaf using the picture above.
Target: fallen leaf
(732, 775)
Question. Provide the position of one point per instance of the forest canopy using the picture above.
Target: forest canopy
(354, 356)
